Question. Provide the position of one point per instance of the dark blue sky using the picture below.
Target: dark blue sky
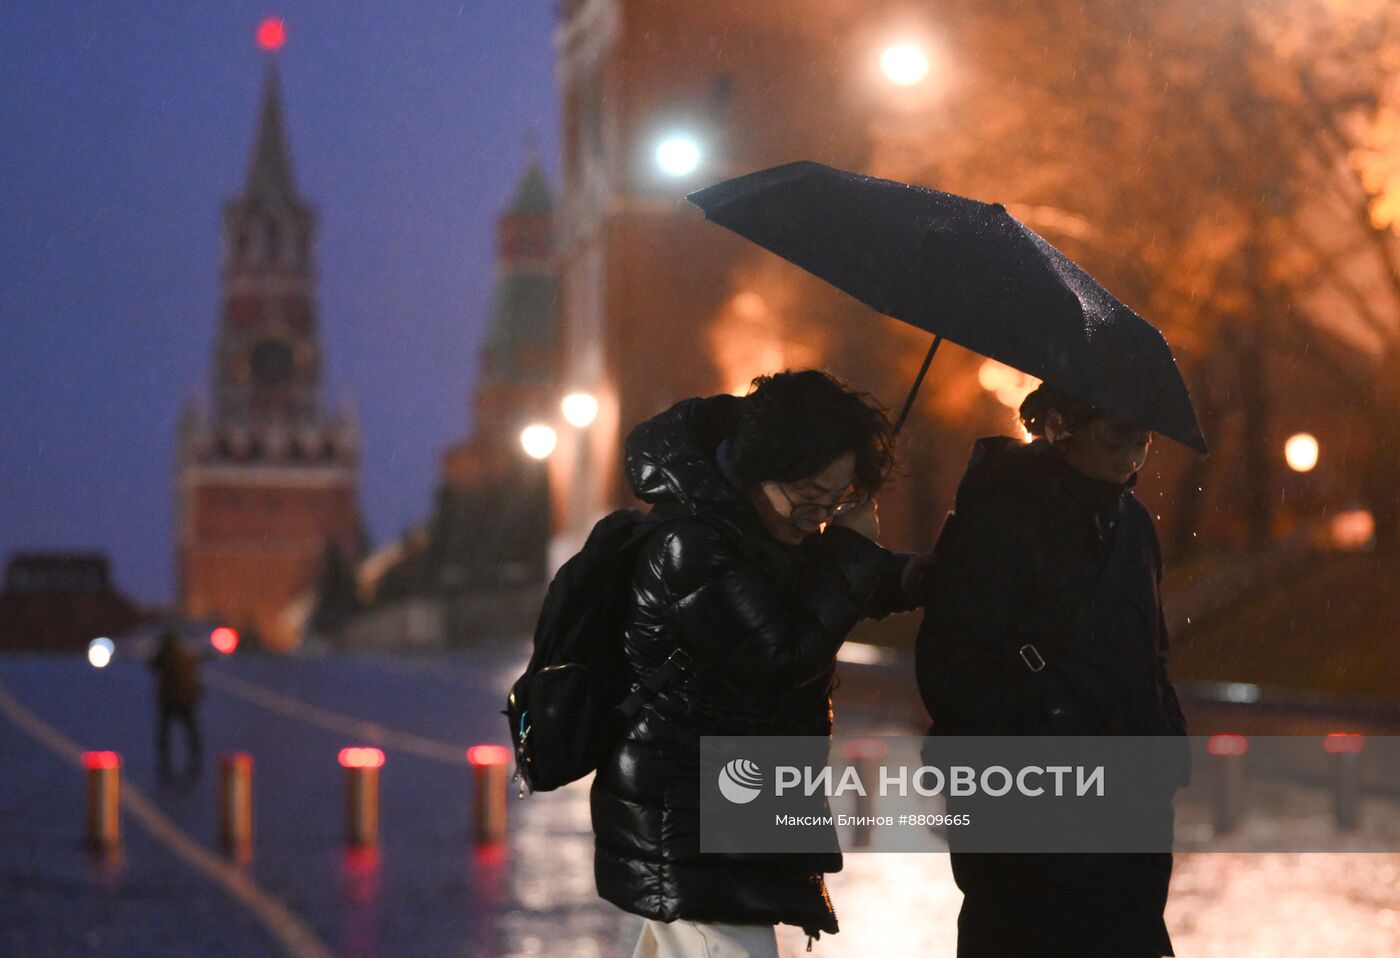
(124, 127)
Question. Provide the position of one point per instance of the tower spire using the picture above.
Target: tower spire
(270, 172)
(532, 194)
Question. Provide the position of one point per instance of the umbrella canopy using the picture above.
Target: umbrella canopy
(967, 271)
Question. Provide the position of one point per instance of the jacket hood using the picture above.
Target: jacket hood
(674, 456)
(1002, 466)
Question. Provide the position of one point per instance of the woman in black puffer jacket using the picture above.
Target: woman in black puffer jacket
(758, 578)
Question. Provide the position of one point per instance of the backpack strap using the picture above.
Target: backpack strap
(675, 666)
(678, 662)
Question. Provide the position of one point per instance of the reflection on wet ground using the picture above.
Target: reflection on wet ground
(430, 891)
(553, 908)
(1223, 905)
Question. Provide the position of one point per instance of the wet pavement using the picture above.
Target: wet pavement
(429, 890)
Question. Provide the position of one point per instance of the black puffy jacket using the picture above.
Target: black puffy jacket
(761, 622)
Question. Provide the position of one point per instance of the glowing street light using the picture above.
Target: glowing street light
(580, 409)
(678, 155)
(1300, 451)
(538, 441)
(904, 64)
(100, 651)
(1010, 386)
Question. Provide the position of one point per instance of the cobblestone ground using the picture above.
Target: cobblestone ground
(429, 891)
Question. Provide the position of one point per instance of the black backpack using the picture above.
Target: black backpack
(568, 711)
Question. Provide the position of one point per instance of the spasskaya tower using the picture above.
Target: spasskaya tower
(267, 475)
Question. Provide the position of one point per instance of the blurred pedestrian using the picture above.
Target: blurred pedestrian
(178, 691)
(766, 563)
(1043, 617)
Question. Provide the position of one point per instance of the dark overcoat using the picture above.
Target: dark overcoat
(1037, 554)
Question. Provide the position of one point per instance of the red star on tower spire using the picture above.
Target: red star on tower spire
(272, 33)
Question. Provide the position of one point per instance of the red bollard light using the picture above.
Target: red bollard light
(362, 795)
(1227, 745)
(1230, 780)
(1345, 749)
(1343, 743)
(236, 804)
(224, 639)
(489, 764)
(104, 789)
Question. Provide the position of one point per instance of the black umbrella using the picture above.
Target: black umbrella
(966, 271)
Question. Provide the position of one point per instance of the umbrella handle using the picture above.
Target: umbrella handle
(918, 381)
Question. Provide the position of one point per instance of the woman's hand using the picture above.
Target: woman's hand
(916, 570)
(865, 520)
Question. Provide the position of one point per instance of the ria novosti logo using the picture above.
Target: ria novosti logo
(740, 781)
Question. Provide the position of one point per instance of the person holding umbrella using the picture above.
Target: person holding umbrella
(1043, 617)
(1042, 612)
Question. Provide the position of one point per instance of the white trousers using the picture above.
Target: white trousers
(691, 939)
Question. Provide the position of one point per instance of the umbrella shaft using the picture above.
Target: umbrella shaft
(918, 381)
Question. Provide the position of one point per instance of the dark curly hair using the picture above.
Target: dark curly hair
(796, 423)
(1036, 407)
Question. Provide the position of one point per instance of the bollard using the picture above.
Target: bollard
(1230, 780)
(864, 754)
(489, 764)
(104, 789)
(1345, 749)
(236, 804)
(362, 795)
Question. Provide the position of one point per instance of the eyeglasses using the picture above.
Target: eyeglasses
(1118, 434)
(805, 511)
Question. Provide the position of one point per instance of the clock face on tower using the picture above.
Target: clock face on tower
(272, 362)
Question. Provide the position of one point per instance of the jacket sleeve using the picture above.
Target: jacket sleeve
(964, 658)
(874, 576)
(1171, 702)
(730, 613)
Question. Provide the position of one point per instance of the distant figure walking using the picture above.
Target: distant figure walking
(177, 696)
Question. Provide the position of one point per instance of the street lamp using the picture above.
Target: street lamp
(904, 64)
(678, 155)
(100, 652)
(1010, 386)
(538, 440)
(580, 409)
(1300, 452)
